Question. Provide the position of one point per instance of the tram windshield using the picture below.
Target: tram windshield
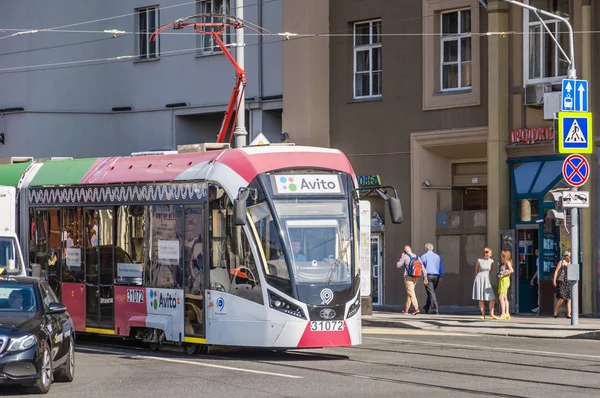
(316, 234)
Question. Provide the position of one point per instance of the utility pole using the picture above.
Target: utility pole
(240, 132)
(571, 74)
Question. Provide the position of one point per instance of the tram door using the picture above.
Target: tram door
(99, 268)
(376, 274)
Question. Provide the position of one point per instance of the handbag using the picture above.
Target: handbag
(562, 273)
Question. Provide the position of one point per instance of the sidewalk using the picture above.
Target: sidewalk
(468, 322)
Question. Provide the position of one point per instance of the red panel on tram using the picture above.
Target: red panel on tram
(324, 338)
(130, 307)
(73, 297)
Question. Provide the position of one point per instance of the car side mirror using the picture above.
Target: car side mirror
(36, 270)
(56, 308)
(239, 207)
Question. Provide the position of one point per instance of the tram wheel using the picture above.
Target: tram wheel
(190, 349)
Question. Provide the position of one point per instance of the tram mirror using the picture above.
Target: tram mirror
(239, 208)
(36, 270)
(395, 210)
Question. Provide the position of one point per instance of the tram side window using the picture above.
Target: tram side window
(275, 267)
(130, 245)
(72, 243)
(166, 247)
(233, 266)
(48, 251)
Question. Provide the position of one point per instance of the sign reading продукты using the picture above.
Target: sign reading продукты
(575, 132)
(574, 96)
(576, 170)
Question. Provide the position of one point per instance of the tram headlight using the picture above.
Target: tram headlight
(281, 304)
(354, 308)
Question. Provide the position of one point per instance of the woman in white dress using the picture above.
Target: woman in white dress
(482, 287)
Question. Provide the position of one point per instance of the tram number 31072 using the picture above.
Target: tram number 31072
(326, 326)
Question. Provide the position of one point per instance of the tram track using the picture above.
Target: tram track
(445, 371)
(279, 358)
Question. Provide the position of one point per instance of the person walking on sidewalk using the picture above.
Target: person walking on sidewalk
(413, 270)
(562, 284)
(435, 271)
(482, 287)
(506, 269)
(535, 280)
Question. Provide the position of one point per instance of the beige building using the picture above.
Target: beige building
(452, 104)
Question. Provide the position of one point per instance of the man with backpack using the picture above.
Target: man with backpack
(413, 270)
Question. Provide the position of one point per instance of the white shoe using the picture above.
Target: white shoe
(536, 310)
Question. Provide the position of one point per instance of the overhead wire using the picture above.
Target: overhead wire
(349, 32)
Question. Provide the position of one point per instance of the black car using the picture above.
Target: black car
(37, 337)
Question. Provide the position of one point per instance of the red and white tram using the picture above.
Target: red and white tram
(256, 246)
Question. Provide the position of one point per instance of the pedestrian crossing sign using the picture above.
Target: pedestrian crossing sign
(575, 132)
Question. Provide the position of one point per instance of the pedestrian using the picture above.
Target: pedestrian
(435, 272)
(535, 279)
(563, 286)
(413, 270)
(506, 269)
(482, 287)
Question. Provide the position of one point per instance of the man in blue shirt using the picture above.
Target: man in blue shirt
(435, 271)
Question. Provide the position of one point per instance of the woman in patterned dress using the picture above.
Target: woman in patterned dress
(563, 286)
(482, 287)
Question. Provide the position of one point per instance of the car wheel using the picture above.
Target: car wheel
(43, 384)
(67, 373)
(154, 346)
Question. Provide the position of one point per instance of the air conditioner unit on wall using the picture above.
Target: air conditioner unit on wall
(534, 93)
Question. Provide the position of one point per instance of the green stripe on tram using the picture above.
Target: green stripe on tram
(10, 174)
(62, 172)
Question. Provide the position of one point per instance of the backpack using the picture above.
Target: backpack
(415, 267)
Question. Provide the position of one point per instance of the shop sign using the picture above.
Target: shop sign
(369, 181)
(531, 135)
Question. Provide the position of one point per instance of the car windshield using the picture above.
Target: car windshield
(9, 260)
(17, 298)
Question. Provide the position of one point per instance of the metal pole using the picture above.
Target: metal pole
(571, 74)
(575, 263)
(240, 128)
(571, 71)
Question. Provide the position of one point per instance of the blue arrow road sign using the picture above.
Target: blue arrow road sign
(575, 95)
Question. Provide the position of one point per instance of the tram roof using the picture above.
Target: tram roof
(247, 162)
(11, 174)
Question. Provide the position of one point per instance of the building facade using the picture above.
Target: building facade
(97, 86)
(452, 103)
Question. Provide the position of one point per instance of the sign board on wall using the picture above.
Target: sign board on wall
(531, 135)
(365, 247)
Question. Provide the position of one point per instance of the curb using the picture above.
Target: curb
(586, 335)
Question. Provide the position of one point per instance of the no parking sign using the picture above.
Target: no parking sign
(576, 170)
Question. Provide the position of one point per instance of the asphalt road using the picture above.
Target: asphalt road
(390, 363)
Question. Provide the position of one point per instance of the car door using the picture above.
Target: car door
(55, 324)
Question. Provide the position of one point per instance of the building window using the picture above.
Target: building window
(543, 58)
(367, 59)
(451, 54)
(455, 46)
(206, 44)
(147, 23)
